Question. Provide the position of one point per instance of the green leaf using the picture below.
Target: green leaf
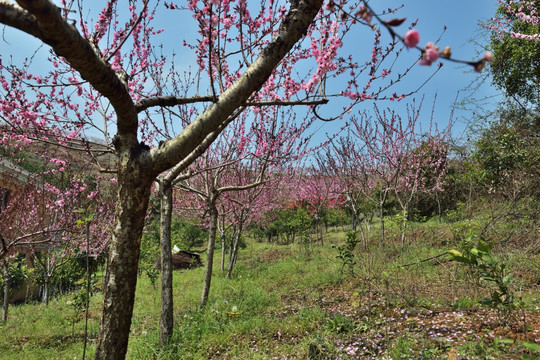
(455, 253)
(506, 341)
(531, 345)
(488, 259)
(483, 245)
(89, 217)
(457, 256)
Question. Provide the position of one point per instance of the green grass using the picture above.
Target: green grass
(34, 331)
(292, 302)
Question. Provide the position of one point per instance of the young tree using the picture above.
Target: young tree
(238, 52)
(247, 207)
(318, 192)
(236, 208)
(238, 162)
(424, 167)
(383, 141)
(344, 160)
(79, 200)
(40, 212)
(209, 190)
(394, 159)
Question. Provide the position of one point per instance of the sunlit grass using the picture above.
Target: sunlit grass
(284, 301)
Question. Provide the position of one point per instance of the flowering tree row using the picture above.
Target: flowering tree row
(385, 155)
(41, 211)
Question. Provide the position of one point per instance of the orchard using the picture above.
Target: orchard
(206, 111)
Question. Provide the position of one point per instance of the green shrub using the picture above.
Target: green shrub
(345, 252)
(18, 274)
(476, 253)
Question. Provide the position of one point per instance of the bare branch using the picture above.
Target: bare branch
(169, 101)
(173, 101)
(242, 187)
(139, 18)
(289, 103)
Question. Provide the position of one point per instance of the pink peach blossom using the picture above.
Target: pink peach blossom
(431, 55)
(411, 39)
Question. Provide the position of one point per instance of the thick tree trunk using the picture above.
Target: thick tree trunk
(213, 212)
(5, 275)
(166, 320)
(121, 277)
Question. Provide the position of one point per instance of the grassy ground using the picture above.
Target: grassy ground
(293, 302)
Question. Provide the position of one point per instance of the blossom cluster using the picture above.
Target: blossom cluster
(525, 12)
(431, 53)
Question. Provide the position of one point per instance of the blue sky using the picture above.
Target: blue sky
(463, 34)
(461, 18)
